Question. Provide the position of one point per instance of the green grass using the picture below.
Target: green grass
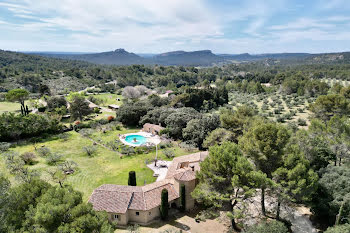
(105, 167)
(110, 99)
(9, 107)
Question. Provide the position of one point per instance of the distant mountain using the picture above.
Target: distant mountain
(116, 57)
(195, 58)
(249, 57)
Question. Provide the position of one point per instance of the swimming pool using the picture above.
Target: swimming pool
(135, 139)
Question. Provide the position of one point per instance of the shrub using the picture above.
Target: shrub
(127, 150)
(169, 153)
(13, 162)
(4, 146)
(53, 158)
(110, 118)
(90, 150)
(28, 157)
(164, 145)
(96, 110)
(302, 122)
(43, 151)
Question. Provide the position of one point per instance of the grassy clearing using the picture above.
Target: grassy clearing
(105, 167)
(109, 99)
(9, 107)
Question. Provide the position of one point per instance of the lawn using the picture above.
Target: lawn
(9, 107)
(105, 167)
(109, 99)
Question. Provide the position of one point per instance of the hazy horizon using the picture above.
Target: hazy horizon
(154, 26)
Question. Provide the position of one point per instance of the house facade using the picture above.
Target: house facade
(140, 204)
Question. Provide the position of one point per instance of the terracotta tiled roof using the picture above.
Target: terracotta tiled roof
(112, 198)
(186, 162)
(186, 175)
(148, 126)
(119, 198)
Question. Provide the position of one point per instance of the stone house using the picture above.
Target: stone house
(140, 204)
(152, 128)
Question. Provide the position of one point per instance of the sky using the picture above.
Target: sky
(156, 26)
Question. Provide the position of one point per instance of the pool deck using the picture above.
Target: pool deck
(155, 139)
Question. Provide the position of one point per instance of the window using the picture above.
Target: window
(116, 216)
(137, 213)
(149, 213)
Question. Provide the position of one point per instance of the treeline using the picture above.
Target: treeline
(31, 72)
(16, 126)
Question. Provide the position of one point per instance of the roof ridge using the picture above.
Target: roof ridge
(131, 198)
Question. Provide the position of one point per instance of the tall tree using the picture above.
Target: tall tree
(198, 129)
(132, 178)
(295, 180)
(164, 204)
(79, 108)
(264, 143)
(18, 95)
(327, 106)
(226, 178)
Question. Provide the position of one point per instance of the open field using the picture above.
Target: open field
(105, 167)
(9, 107)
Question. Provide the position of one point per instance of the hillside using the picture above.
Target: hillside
(195, 58)
(198, 58)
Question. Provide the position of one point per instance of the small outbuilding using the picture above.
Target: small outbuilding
(113, 106)
(152, 128)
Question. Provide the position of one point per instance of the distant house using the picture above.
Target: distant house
(93, 106)
(113, 106)
(152, 128)
(140, 204)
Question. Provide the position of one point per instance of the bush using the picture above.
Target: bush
(169, 153)
(90, 150)
(164, 145)
(96, 110)
(53, 158)
(4, 146)
(302, 122)
(43, 151)
(110, 118)
(28, 157)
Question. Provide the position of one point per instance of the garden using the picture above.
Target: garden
(105, 162)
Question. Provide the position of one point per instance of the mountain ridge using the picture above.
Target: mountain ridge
(194, 58)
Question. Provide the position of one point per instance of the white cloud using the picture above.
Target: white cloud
(302, 23)
(162, 25)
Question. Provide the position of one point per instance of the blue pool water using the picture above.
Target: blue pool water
(139, 139)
